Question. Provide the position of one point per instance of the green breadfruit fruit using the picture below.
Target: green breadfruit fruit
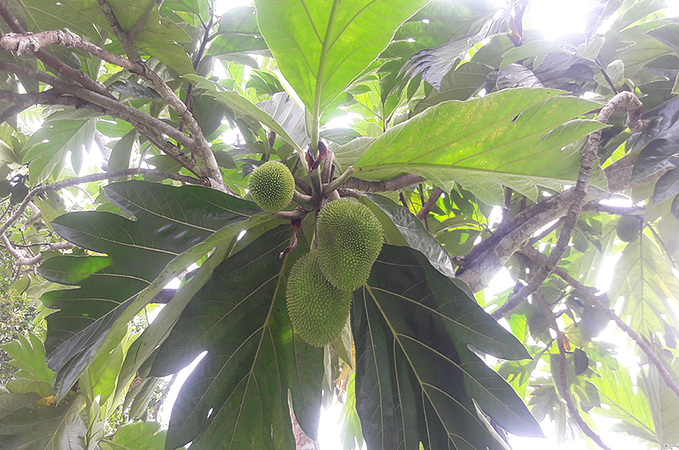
(628, 229)
(318, 310)
(349, 241)
(271, 186)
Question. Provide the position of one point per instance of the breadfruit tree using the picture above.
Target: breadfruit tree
(331, 187)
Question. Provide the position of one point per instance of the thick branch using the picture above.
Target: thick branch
(622, 101)
(562, 380)
(383, 186)
(125, 112)
(588, 293)
(69, 182)
(31, 43)
(201, 147)
(50, 60)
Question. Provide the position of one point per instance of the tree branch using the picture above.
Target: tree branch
(431, 202)
(52, 61)
(31, 43)
(562, 380)
(623, 101)
(383, 186)
(588, 294)
(23, 260)
(69, 182)
(201, 147)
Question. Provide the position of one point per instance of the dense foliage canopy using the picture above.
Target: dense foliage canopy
(128, 131)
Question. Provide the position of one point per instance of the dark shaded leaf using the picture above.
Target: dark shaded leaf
(413, 362)
(516, 76)
(121, 152)
(580, 360)
(435, 63)
(666, 186)
(460, 84)
(414, 233)
(169, 221)
(208, 112)
(237, 396)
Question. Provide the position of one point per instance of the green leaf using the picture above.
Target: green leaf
(122, 150)
(237, 33)
(137, 436)
(169, 221)
(242, 106)
(643, 277)
(237, 396)
(416, 379)
(414, 233)
(49, 145)
(28, 355)
(516, 138)
(44, 427)
(322, 46)
(663, 402)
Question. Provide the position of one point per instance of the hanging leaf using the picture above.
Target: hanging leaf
(170, 220)
(237, 396)
(643, 277)
(413, 361)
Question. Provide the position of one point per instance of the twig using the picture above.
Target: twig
(69, 182)
(606, 77)
(337, 182)
(33, 260)
(431, 202)
(611, 209)
(50, 60)
(623, 101)
(588, 294)
(545, 233)
(383, 186)
(563, 381)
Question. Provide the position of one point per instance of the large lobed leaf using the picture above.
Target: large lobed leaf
(169, 221)
(644, 278)
(321, 46)
(516, 138)
(237, 397)
(416, 378)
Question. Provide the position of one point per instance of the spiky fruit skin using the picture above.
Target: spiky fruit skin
(271, 186)
(349, 241)
(628, 229)
(318, 310)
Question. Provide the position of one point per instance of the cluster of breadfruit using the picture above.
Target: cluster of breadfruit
(348, 241)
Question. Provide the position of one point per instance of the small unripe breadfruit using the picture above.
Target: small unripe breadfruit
(318, 310)
(349, 241)
(271, 186)
(628, 229)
